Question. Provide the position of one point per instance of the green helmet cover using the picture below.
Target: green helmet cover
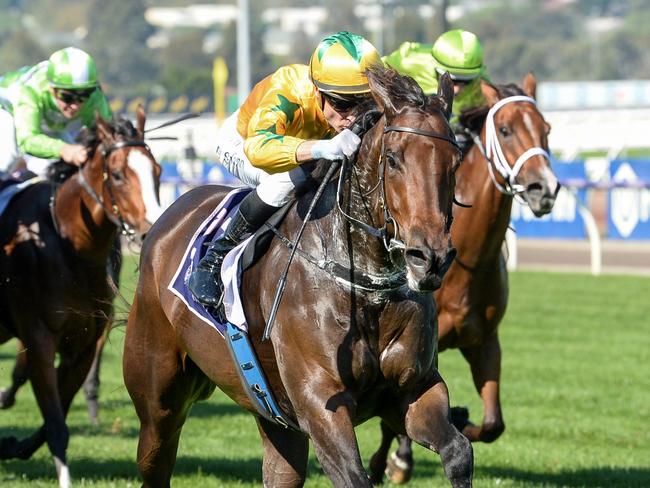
(458, 52)
(71, 68)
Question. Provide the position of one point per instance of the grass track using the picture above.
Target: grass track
(576, 395)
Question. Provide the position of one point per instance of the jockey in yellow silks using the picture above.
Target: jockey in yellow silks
(294, 116)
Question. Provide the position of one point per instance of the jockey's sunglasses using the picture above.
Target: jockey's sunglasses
(76, 96)
(343, 104)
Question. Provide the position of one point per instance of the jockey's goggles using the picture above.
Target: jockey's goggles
(459, 79)
(344, 103)
(76, 96)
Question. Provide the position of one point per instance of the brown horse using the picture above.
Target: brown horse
(509, 158)
(54, 295)
(352, 340)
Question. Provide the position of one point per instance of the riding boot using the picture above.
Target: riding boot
(205, 281)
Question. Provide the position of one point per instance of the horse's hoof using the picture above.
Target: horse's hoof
(398, 470)
(6, 400)
(8, 447)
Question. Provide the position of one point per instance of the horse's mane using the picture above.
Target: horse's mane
(474, 118)
(122, 127)
(400, 87)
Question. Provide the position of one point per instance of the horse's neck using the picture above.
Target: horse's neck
(484, 225)
(80, 219)
(345, 241)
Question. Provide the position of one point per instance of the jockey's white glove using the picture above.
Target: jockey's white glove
(344, 144)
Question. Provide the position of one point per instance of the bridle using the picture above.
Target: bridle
(391, 243)
(495, 157)
(112, 211)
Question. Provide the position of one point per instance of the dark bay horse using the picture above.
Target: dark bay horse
(472, 299)
(54, 295)
(345, 347)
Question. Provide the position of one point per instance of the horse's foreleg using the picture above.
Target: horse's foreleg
(427, 423)
(485, 363)
(330, 427)
(19, 377)
(285, 455)
(377, 464)
(41, 351)
(91, 384)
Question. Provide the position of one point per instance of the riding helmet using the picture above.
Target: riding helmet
(72, 69)
(340, 61)
(458, 52)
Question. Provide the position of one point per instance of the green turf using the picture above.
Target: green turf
(576, 395)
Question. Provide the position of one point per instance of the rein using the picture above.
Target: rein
(495, 157)
(113, 212)
(391, 243)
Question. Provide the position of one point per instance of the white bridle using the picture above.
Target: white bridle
(495, 156)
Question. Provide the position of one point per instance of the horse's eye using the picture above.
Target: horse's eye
(118, 176)
(504, 131)
(392, 161)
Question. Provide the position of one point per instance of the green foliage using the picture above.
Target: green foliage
(575, 392)
(557, 40)
(117, 40)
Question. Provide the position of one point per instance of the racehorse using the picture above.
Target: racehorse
(351, 340)
(20, 372)
(54, 295)
(508, 159)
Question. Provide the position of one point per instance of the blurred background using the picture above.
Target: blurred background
(590, 58)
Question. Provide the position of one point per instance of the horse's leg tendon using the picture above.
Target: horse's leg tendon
(427, 423)
(485, 363)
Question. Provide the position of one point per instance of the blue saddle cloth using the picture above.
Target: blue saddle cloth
(210, 229)
(12, 187)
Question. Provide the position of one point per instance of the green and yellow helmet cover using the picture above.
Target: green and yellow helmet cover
(340, 61)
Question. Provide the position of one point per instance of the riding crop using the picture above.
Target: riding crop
(283, 279)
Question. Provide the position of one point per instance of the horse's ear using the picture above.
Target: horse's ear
(490, 92)
(381, 95)
(530, 85)
(104, 131)
(141, 117)
(446, 94)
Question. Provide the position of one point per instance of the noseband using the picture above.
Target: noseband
(496, 158)
(390, 243)
(113, 212)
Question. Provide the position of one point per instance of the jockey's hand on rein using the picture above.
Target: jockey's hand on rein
(74, 154)
(343, 145)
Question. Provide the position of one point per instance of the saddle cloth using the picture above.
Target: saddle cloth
(12, 187)
(211, 228)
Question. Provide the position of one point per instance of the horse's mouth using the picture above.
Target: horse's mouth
(540, 198)
(425, 273)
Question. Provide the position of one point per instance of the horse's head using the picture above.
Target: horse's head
(130, 174)
(516, 143)
(417, 159)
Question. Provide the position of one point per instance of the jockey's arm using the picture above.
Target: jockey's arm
(29, 136)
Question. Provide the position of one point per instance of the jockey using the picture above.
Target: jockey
(458, 52)
(44, 107)
(294, 116)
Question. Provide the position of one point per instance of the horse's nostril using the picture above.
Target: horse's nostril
(534, 187)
